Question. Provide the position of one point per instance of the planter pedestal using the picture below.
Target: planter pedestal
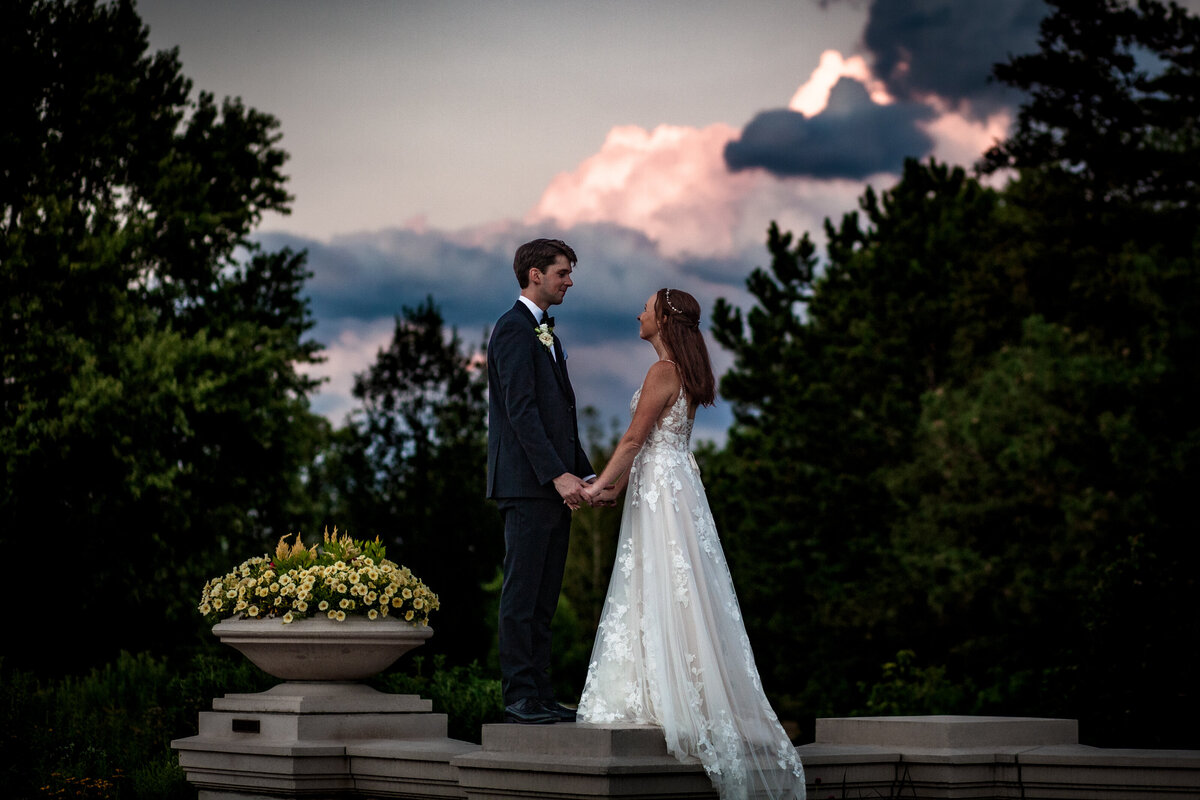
(321, 738)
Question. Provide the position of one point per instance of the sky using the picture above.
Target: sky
(660, 139)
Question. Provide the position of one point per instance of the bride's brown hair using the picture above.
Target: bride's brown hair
(679, 326)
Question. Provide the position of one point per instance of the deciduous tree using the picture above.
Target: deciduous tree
(153, 425)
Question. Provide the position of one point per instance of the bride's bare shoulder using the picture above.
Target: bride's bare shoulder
(661, 383)
(662, 373)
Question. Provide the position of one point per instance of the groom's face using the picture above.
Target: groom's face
(552, 282)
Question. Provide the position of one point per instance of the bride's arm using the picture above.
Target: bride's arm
(659, 390)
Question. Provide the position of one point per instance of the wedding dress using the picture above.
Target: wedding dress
(671, 649)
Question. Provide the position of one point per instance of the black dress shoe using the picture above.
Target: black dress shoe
(529, 711)
(561, 713)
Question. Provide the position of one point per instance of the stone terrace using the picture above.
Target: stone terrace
(344, 740)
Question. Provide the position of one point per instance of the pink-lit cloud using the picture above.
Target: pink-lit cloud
(812, 97)
(669, 183)
(651, 207)
(673, 185)
(961, 138)
(353, 350)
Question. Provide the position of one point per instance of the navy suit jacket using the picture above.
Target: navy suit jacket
(533, 433)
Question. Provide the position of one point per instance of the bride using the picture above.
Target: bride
(671, 649)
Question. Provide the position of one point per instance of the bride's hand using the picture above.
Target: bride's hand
(602, 495)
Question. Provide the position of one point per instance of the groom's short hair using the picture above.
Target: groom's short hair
(539, 254)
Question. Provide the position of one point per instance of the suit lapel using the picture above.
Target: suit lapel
(560, 368)
(558, 361)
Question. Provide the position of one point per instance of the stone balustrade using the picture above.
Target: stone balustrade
(344, 740)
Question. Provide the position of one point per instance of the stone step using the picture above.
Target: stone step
(576, 739)
(576, 760)
(948, 732)
(323, 697)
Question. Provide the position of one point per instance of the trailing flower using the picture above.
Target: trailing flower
(339, 578)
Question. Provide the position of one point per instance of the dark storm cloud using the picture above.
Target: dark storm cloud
(374, 275)
(362, 279)
(948, 47)
(851, 138)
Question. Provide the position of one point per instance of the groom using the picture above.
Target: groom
(534, 463)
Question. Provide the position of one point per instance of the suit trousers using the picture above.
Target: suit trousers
(536, 534)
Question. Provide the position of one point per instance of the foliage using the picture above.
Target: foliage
(828, 370)
(593, 533)
(152, 416)
(463, 693)
(409, 466)
(1112, 109)
(970, 433)
(342, 578)
(107, 733)
(904, 689)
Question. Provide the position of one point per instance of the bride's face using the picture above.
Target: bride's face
(648, 319)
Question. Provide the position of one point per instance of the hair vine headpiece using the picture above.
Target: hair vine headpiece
(670, 305)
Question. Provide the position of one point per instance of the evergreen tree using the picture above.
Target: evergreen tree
(828, 371)
(965, 443)
(409, 467)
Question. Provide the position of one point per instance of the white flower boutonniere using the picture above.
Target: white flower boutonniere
(545, 335)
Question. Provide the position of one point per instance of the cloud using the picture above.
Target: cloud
(921, 88)
(361, 282)
(947, 48)
(961, 138)
(678, 206)
(852, 137)
(669, 191)
(351, 347)
(368, 275)
(813, 96)
(669, 183)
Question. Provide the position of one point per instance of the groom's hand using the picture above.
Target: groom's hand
(570, 488)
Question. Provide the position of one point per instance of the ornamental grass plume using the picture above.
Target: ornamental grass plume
(339, 578)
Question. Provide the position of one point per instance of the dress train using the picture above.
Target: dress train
(671, 648)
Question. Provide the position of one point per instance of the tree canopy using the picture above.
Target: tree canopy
(963, 441)
(409, 466)
(153, 420)
(964, 436)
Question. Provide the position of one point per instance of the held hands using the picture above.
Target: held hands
(597, 495)
(571, 489)
(575, 492)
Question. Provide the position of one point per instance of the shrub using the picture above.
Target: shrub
(107, 734)
(469, 699)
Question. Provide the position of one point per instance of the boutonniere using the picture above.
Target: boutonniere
(545, 335)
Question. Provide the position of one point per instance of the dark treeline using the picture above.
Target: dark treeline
(965, 445)
(964, 435)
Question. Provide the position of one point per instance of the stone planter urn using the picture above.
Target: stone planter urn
(322, 649)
